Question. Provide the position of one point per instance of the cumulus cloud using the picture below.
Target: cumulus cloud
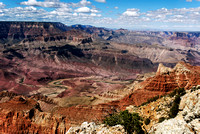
(83, 10)
(86, 10)
(132, 12)
(54, 3)
(85, 2)
(184, 15)
(46, 3)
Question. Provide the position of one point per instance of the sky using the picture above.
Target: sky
(173, 15)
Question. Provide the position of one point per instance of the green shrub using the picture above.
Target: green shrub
(147, 121)
(161, 119)
(131, 122)
(177, 99)
(151, 100)
(175, 107)
(179, 91)
(173, 111)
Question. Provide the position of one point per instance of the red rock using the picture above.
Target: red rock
(183, 75)
(22, 115)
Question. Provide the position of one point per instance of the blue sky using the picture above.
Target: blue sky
(179, 15)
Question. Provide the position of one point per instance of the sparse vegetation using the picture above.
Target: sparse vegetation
(194, 88)
(161, 119)
(175, 107)
(151, 100)
(131, 122)
(179, 91)
(147, 121)
(21, 80)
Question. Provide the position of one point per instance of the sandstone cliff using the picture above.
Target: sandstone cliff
(166, 80)
(23, 115)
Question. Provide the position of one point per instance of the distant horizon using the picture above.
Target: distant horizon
(153, 30)
(167, 15)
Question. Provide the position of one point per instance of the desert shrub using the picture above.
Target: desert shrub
(161, 119)
(179, 91)
(175, 107)
(177, 99)
(173, 111)
(151, 100)
(147, 121)
(131, 122)
(159, 109)
(194, 88)
(21, 80)
(144, 103)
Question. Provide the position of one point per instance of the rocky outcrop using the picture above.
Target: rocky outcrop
(182, 75)
(172, 126)
(187, 120)
(23, 115)
(166, 80)
(92, 128)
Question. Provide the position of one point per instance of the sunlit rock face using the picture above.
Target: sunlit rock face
(166, 80)
(187, 120)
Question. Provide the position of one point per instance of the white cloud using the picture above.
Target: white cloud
(95, 15)
(85, 2)
(132, 12)
(2, 5)
(102, 1)
(83, 10)
(86, 10)
(46, 3)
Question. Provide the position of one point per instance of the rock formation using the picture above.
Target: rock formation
(181, 76)
(166, 80)
(23, 115)
(92, 128)
(187, 120)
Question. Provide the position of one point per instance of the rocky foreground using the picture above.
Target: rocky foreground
(188, 119)
(186, 122)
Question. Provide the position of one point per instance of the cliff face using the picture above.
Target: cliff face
(23, 115)
(181, 76)
(37, 114)
(28, 32)
(166, 79)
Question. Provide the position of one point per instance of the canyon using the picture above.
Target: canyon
(53, 76)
